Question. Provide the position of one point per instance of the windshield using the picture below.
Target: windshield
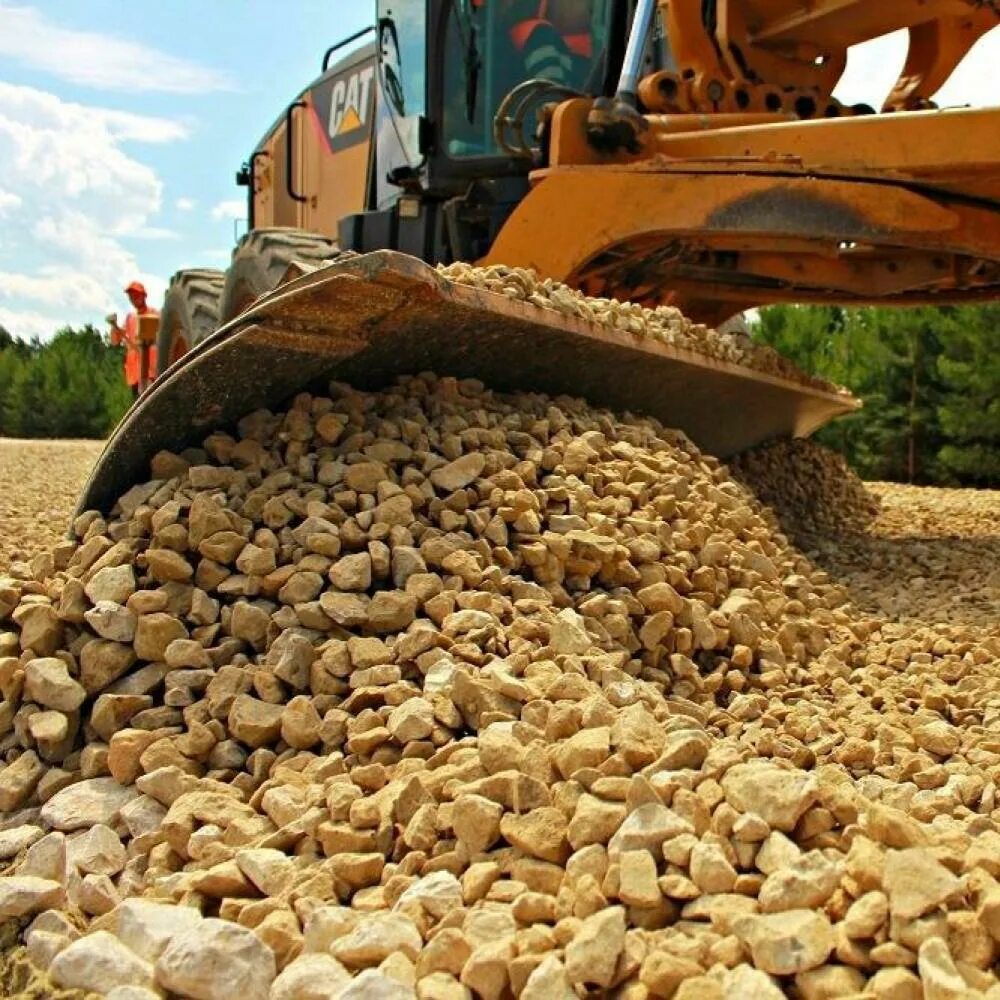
(494, 45)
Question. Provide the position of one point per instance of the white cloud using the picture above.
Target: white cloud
(231, 208)
(185, 204)
(96, 60)
(73, 196)
(8, 201)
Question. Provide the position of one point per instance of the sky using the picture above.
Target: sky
(122, 126)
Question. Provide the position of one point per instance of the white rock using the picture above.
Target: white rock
(97, 963)
(47, 681)
(46, 858)
(327, 924)
(21, 895)
(132, 993)
(112, 621)
(97, 851)
(43, 946)
(438, 893)
(270, 870)
(413, 720)
(87, 803)
(375, 937)
(568, 634)
(15, 840)
(148, 927)
(777, 794)
(787, 943)
(310, 977)
(113, 583)
(217, 960)
(747, 983)
(548, 981)
(373, 985)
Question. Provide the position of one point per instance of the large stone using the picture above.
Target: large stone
(112, 621)
(87, 803)
(19, 779)
(568, 635)
(310, 977)
(594, 821)
(459, 473)
(217, 960)
(255, 722)
(778, 795)
(785, 944)
(113, 583)
(548, 981)
(540, 833)
(940, 976)
(413, 720)
(375, 985)
(15, 840)
(22, 895)
(374, 938)
(48, 682)
(646, 828)
(806, 884)
(916, 882)
(352, 572)
(592, 955)
(154, 633)
(147, 927)
(102, 662)
(476, 822)
(97, 851)
(97, 963)
(271, 871)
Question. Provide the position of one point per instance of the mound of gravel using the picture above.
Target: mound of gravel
(439, 693)
(811, 489)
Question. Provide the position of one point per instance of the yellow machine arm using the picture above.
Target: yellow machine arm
(735, 179)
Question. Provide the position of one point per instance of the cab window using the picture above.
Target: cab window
(491, 46)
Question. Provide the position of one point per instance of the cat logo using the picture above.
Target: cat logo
(350, 102)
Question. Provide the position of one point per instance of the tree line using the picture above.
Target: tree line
(929, 378)
(68, 387)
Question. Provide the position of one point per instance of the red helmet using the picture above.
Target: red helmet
(136, 286)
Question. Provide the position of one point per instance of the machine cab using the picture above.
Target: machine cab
(444, 175)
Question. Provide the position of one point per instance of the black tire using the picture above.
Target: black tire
(261, 261)
(190, 313)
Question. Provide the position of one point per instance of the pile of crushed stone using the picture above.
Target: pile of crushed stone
(435, 692)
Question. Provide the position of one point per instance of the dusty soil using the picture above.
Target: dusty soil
(39, 485)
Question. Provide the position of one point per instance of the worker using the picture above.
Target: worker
(137, 379)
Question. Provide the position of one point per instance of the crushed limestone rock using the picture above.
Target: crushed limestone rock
(435, 692)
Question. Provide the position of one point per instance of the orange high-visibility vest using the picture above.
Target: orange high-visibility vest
(133, 350)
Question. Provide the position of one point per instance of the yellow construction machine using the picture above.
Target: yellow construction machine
(684, 152)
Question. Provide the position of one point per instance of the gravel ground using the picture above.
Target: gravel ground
(39, 485)
(933, 557)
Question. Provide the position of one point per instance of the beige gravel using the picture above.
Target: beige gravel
(39, 484)
(617, 734)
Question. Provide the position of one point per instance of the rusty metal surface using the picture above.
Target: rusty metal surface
(369, 319)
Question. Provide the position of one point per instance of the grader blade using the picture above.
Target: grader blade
(367, 319)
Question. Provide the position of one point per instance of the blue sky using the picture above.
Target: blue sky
(121, 128)
(122, 125)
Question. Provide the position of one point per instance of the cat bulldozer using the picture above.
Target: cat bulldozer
(662, 152)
